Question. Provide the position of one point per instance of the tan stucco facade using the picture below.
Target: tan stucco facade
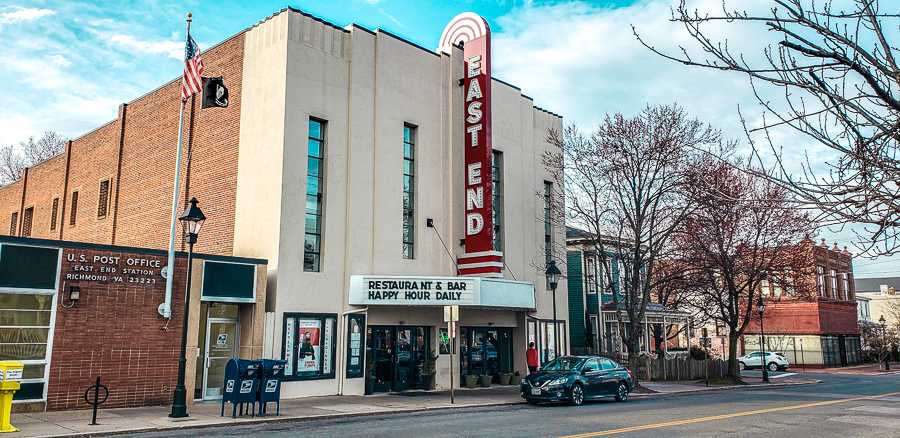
(366, 86)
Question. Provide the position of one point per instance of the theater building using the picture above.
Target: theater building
(377, 180)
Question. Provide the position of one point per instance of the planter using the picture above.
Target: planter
(504, 378)
(470, 381)
(485, 381)
(515, 379)
(428, 381)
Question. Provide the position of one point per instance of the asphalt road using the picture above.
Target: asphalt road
(842, 406)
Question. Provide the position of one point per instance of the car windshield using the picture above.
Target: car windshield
(563, 364)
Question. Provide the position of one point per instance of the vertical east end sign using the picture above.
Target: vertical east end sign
(473, 32)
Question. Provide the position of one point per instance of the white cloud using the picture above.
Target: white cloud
(18, 14)
(169, 48)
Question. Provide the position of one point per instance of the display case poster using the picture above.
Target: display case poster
(328, 343)
(309, 350)
(356, 326)
(289, 346)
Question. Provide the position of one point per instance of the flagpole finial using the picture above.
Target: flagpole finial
(189, 15)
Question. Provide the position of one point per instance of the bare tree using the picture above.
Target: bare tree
(838, 76)
(14, 160)
(741, 235)
(623, 185)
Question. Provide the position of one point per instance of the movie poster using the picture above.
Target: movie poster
(309, 350)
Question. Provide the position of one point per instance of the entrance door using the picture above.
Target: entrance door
(380, 358)
(221, 342)
(404, 359)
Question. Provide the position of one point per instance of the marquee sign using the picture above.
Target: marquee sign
(473, 33)
(368, 290)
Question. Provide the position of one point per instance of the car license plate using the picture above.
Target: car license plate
(535, 391)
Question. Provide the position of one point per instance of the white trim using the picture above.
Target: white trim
(480, 254)
(480, 265)
(50, 336)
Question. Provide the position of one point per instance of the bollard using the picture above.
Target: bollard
(95, 401)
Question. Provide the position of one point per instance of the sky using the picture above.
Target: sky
(67, 65)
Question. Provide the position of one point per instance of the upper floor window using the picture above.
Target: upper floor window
(848, 294)
(54, 213)
(27, 218)
(820, 280)
(548, 226)
(315, 196)
(13, 223)
(409, 191)
(103, 199)
(834, 284)
(590, 275)
(497, 198)
(74, 213)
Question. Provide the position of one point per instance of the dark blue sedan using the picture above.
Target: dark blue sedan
(574, 379)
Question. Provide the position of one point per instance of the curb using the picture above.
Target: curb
(262, 420)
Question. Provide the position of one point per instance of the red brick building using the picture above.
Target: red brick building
(816, 330)
(112, 185)
(72, 312)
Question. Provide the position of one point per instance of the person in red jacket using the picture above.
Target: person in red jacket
(531, 356)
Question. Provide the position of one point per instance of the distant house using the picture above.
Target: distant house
(592, 307)
(881, 297)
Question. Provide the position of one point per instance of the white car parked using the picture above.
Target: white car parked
(774, 361)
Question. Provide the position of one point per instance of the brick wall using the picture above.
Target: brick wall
(808, 318)
(141, 188)
(115, 332)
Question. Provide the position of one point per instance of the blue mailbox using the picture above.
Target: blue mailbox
(241, 385)
(270, 384)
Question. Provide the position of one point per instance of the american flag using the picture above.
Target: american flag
(191, 83)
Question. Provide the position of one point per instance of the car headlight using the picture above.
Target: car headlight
(557, 381)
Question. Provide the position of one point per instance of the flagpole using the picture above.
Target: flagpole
(165, 309)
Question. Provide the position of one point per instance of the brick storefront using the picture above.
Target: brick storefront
(115, 332)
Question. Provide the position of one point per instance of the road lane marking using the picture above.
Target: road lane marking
(726, 416)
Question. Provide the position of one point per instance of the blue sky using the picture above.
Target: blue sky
(67, 65)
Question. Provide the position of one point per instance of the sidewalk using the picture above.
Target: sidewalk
(131, 420)
(869, 369)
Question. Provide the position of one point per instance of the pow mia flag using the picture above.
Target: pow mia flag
(214, 93)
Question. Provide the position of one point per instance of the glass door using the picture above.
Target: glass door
(380, 358)
(405, 359)
(221, 343)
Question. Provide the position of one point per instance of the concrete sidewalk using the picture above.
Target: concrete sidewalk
(869, 369)
(131, 420)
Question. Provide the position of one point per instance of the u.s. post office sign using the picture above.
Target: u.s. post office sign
(367, 290)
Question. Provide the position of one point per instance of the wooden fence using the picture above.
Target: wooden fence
(680, 367)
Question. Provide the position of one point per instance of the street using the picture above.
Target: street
(841, 406)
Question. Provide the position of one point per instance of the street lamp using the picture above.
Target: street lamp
(884, 346)
(552, 274)
(761, 307)
(192, 219)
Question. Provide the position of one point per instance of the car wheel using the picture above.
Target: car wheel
(773, 366)
(577, 395)
(622, 392)
(742, 366)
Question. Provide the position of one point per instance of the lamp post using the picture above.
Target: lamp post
(192, 219)
(761, 307)
(884, 346)
(552, 274)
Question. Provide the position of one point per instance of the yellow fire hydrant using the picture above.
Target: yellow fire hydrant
(10, 378)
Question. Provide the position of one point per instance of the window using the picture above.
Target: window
(606, 364)
(54, 213)
(27, 217)
(315, 194)
(74, 212)
(308, 348)
(409, 191)
(13, 223)
(605, 276)
(103, 199)
(820, 280)
(833, 280)
(548, 226)
(849, 295)
(590, 275)
(497, 198)
(24, 333)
